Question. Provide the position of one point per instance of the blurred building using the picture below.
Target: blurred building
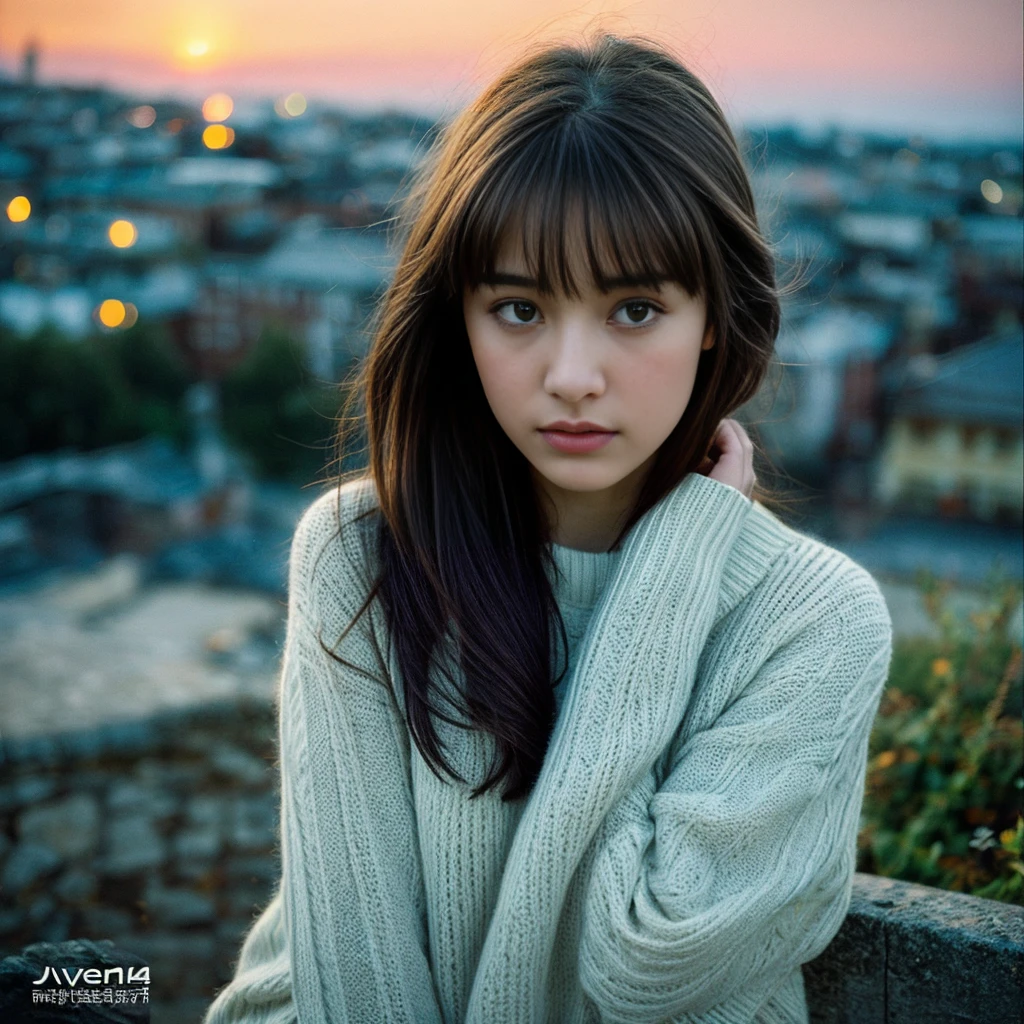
(823, 402)
(990, 264)
(69, 507)
(955, 442)
(318, 284)
(162, 292)
(902, 249)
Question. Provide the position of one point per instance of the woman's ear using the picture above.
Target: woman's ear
(709, 339)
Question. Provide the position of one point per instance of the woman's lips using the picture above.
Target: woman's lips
(577, 443)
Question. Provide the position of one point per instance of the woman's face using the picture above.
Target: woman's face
(586, 388)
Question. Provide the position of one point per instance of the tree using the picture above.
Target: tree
(275, 410)
(57, 392)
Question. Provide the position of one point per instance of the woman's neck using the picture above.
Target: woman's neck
(583, 533)
(589, 520)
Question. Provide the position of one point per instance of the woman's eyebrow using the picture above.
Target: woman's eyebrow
(499, 278)
(514, 280)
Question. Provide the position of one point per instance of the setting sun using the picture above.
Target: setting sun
(197, 52)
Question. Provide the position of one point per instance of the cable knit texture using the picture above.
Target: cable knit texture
(690, 841)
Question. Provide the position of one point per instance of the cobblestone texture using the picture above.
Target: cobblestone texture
(168, 847)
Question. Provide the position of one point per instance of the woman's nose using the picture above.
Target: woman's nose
(574, 370)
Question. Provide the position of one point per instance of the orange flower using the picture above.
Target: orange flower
(886, 759)
(941, 666)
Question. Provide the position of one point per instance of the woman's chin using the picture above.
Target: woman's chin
(585, 478)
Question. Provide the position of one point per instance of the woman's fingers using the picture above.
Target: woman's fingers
(735, 464)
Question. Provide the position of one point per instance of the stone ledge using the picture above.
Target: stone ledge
(912, 954)
(201, 785)
(906, 954)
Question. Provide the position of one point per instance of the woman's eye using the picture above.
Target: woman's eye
(516, 312)
(636, 313)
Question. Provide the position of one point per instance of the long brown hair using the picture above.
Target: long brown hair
(617, 138)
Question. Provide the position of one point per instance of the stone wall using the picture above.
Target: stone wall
(911, 954)
(161, 835)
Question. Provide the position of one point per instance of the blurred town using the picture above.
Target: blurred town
(183, 286)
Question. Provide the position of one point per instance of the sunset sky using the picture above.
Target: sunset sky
(942, 66)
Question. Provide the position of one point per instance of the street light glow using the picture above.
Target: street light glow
(18, 209)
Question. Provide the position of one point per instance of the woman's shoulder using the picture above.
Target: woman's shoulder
(337, 512)
(334, 536)
(808, 579)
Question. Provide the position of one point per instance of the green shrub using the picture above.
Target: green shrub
(118, 386)
(945, 773)
(277, 413)
(57, 392)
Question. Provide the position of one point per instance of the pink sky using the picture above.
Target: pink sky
(938, 65)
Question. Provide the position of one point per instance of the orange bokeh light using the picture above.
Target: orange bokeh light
(122, 234)
(218, 107)
(18, 209)
(218, 136)
(111, 312)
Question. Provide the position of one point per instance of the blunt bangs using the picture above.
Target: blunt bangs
(582, 204)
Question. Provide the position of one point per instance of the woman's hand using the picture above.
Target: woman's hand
(731, 458)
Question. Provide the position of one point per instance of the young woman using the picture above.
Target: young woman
(572, 728)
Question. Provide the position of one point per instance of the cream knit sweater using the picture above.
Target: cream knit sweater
(690, 841)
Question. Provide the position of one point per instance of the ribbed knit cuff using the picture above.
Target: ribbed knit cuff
(694, 524)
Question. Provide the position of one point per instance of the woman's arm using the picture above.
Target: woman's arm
(706, 894)
(625, 700)
(261, 991)
(352, 926)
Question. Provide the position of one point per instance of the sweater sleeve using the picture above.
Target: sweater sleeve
(350, 917)
(625, 700)
(706, 894)
(261, 990)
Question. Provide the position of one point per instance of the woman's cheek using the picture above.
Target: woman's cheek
(506, 386)
(660, 384)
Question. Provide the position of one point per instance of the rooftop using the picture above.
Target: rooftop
(147, 472)
(979, 383)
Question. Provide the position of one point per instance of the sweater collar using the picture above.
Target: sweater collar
(581, 575)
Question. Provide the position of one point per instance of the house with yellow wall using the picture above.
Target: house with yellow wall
(954, 447)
